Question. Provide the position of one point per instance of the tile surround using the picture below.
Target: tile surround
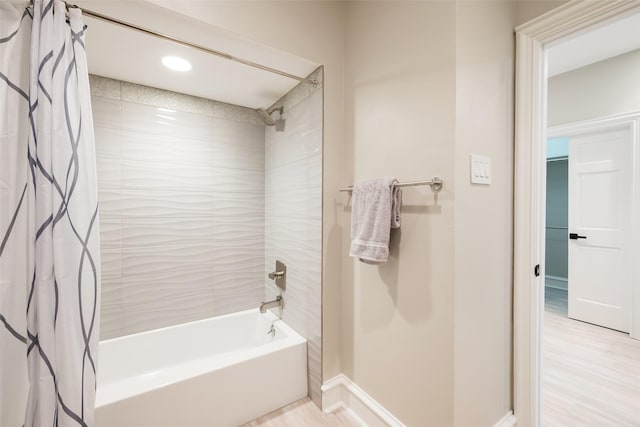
(181, 214)
(293, 210)
(198, 199)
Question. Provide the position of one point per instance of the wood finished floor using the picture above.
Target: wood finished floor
(304, 413)
(591, 375)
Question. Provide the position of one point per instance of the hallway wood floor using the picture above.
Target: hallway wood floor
(591, 375)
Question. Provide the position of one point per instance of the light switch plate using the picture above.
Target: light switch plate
(480, 169)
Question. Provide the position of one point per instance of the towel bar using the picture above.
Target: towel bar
(435, 183)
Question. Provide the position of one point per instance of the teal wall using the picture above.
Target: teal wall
(557, 216)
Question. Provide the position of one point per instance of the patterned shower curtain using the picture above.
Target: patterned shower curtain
(49, 235)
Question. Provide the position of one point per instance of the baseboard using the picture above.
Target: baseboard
(341, 392)
(509, 420)
(556, 282)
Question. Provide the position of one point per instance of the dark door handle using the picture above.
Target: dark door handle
(576, 236)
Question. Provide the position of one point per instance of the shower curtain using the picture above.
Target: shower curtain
(49, 235)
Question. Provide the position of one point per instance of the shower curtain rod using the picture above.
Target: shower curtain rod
(224, 55)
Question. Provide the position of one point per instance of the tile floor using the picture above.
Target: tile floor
(304, 413)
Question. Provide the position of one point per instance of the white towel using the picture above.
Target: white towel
(375, 211)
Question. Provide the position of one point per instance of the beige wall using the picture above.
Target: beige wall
(606, 88)
(418, 103)
(527, 10)
(483, 214)
(400, 121)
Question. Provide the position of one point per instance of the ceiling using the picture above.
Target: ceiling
(124, 54)
(605, 42)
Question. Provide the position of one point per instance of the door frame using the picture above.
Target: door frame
(630, 122)
(532, 40)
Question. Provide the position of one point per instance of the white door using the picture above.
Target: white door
(600, 201)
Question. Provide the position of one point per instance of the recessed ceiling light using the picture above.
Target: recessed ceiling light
(176, 63)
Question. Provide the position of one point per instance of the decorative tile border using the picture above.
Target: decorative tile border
(236, 113)
(146, 95)
(165, 99)
(105, 87)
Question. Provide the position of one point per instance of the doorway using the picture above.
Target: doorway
(586, 348)
(533, 40)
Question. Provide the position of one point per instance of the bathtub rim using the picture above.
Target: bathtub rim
(281, 323)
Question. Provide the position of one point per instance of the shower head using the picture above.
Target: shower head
(280, 125)
(265, 116)
(268, 120)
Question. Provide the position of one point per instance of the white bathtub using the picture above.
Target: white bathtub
(217, 372)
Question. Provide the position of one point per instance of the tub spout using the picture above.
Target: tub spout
(270, 304)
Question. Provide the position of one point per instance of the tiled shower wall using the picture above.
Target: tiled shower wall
(293, 216)
(187, 224)
(181, 190)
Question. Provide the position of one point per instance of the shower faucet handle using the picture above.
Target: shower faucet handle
(279, 275)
